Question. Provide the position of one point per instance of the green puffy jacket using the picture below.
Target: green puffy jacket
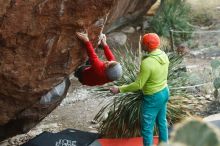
(152, 76)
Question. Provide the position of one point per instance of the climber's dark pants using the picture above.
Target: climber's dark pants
(79, 70)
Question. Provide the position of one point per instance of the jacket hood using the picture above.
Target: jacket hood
(160, 56)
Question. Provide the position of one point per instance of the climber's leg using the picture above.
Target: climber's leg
(78, 72)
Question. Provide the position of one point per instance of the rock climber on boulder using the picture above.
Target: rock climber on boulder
(98, 72)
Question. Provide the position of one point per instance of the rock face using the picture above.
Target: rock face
(39, 50)
(125, 11)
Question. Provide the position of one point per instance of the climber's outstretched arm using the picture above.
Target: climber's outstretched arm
(93, 58)
(108, 53)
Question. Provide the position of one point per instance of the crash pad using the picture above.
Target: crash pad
(136, 141)
(68, 137)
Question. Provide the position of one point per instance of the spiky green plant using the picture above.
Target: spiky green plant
(173, 14)
(194, 132)
(123, 109)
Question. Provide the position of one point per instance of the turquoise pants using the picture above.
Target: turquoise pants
(154, 109)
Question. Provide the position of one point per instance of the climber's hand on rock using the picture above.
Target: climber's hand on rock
(114, 90)
(103, 39)
(82, 36)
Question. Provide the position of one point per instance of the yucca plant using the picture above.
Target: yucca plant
(123, 109)
(173, 14)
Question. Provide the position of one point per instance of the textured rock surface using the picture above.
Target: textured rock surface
(125, 11)
(38, 48)
(118, 38)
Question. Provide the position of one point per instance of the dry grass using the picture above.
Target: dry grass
(201, 4)
(204, 6)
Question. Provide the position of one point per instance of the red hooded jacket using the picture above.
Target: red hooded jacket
(95, 74)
